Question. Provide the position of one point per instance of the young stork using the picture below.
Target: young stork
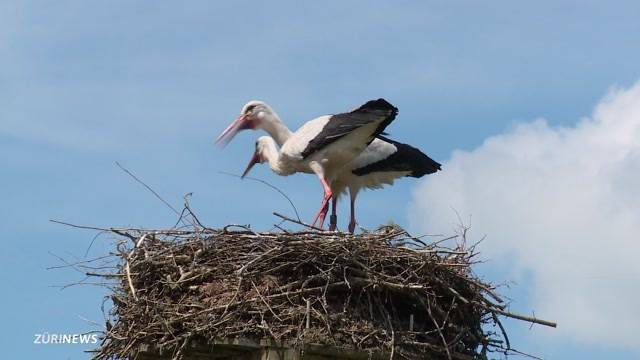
(383, 161)
(322, 146)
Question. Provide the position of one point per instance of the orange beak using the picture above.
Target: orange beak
(242, 122)
(254, 160)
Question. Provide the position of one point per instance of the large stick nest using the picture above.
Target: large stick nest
(382, 291)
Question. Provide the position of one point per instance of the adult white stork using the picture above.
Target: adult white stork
(322, 146)
(383, 161)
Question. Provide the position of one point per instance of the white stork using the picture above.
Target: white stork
(382, 162)
(322, 146)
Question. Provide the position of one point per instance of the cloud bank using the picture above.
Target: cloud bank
(563, 203)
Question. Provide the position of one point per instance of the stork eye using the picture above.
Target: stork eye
(250, 109)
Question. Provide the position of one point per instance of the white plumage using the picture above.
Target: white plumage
(322, 146)
(377, 151)
(379, 163)
(331, 157)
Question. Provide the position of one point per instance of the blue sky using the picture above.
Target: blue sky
(84, 84)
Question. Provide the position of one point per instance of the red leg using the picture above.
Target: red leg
(324, 205)
(323, 214)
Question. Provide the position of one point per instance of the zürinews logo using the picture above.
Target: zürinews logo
(53, 338)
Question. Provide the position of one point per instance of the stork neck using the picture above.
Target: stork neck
(270, 152)
(277, 129)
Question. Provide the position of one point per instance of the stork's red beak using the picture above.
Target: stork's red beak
(254, 160)
(240, 123)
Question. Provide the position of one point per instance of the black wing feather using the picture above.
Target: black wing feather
(406, 158)
(343, 124)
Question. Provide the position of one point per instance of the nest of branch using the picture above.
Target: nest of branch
(382, 291)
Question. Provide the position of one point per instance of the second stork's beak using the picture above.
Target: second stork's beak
(227, 135)
(254, 160)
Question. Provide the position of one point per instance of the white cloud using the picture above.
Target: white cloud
(564, 203)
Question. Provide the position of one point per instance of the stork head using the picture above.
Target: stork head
(252, 116)
(260, 154)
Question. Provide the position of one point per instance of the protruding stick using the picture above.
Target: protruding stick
(308, 313)
(296, 221)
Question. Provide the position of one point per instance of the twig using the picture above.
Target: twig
(187, 206)
(128, 272)
(149, 188)
(504, 333)
(296, 221)
(258, 258)
(521, 317)
(281, 229)
(269, 185)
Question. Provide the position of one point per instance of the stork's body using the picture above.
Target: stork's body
(380, 163)
(309, 144)
(322, 146)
